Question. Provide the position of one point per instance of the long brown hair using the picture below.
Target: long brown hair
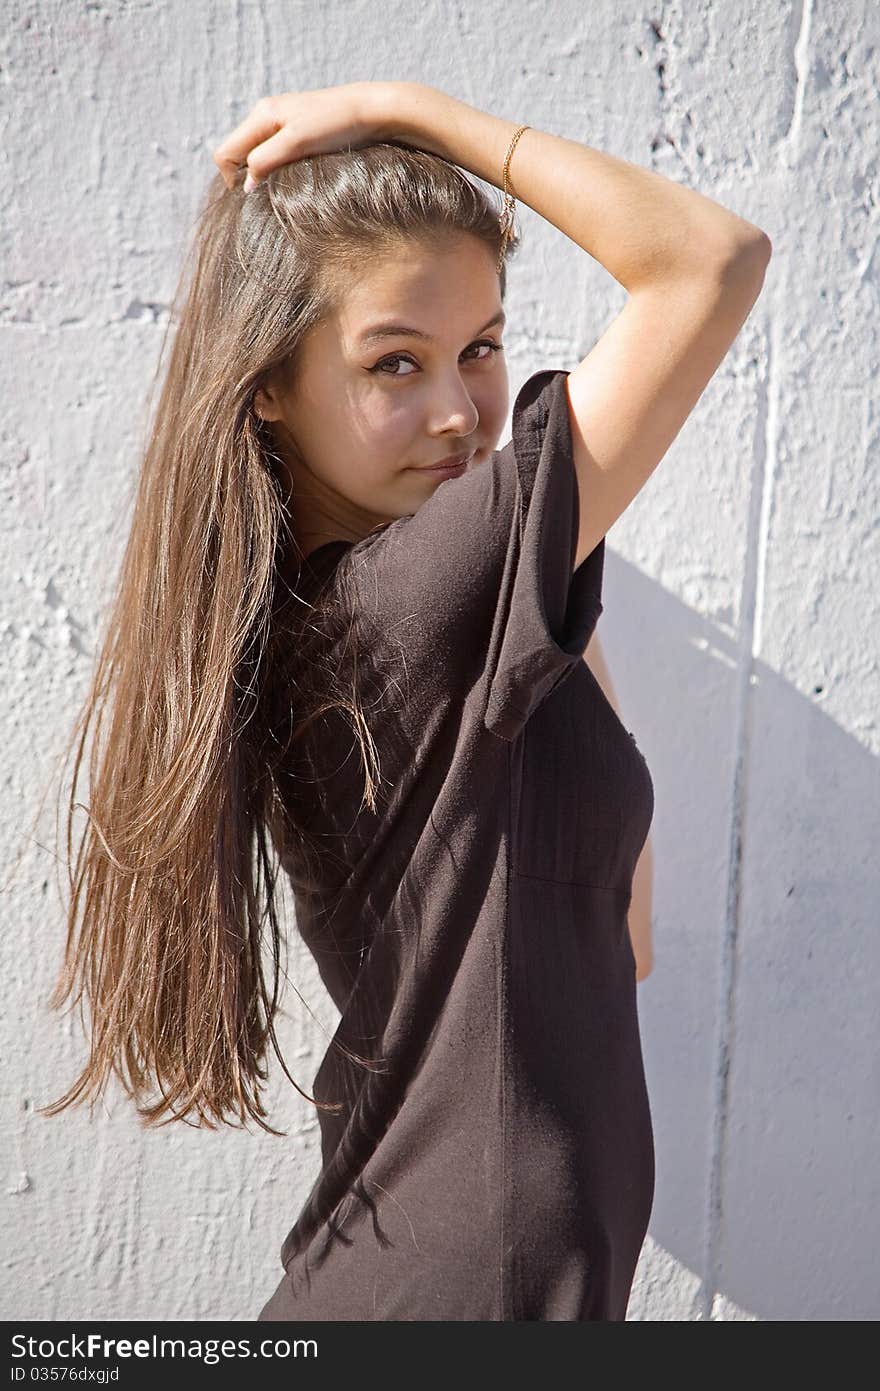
(177, 868)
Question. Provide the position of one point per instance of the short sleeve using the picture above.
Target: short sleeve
(477, 587)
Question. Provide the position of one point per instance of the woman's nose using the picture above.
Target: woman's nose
(458, 415)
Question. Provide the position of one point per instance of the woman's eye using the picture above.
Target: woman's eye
(390, 361)
(491, 345)
(401, 357)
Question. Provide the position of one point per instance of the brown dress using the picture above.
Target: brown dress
(500, 1165)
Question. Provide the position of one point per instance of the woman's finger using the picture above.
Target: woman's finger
(288, 127)
(281, 148)
(258, 126)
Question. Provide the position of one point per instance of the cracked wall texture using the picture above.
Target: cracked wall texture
(740, 616)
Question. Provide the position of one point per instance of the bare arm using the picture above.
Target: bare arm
(639, 915)
(642, 227)
(693, 270)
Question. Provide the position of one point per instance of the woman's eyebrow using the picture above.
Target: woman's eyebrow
(402, 331)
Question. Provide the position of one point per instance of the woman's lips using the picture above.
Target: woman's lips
(449, 467)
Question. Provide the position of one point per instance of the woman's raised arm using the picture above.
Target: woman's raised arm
(693, 270)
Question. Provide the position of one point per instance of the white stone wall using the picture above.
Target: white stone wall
(740, 614)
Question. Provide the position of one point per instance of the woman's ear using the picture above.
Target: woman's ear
(267, 403)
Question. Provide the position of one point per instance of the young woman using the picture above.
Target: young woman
(350, 631)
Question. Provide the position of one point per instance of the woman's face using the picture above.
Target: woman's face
(362, 415)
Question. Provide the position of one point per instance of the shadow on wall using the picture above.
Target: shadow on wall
(768, 1186)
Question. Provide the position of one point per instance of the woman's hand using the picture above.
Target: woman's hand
(284, 128)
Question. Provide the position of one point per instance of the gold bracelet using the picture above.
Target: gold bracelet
(507, 211)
